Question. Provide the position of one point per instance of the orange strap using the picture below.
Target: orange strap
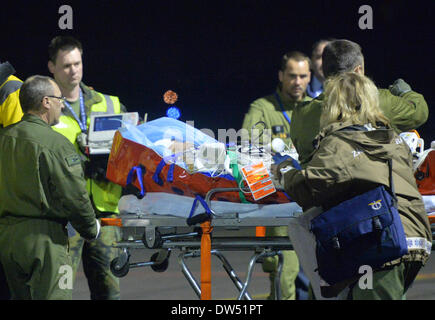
(416, 132)
(260, 232)
(206, 261)
(116, 222)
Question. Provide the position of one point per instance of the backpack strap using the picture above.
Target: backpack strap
(390, 172)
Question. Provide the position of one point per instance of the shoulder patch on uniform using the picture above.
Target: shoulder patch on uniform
(73, 160)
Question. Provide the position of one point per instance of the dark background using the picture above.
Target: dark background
(218, 56)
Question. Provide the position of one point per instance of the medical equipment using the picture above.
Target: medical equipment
(102, 129)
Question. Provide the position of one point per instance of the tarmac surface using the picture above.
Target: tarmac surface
(145, 284)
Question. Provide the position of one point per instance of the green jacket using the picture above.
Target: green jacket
(41, 177)
(346, 164)
(405, 113)
(268, 110)
(104, 194)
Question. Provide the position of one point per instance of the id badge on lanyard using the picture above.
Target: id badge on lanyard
(82, 120)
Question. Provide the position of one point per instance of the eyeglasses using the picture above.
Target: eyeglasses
(60, 98)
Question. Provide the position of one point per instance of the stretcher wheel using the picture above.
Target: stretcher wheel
(117, 270)
(152, 240)
(159, 267)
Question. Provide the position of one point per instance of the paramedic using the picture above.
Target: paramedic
(10, 112)
(354, 134)
(404, 108)
(48, 190)
(10, 109)
(65, 63)
(275, 111)
(315, 87)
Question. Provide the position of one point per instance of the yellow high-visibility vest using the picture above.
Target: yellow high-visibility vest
(10, 108)
(105, 195)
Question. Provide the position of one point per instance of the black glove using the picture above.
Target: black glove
(399, 87)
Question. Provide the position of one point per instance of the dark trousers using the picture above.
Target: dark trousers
(4, 289)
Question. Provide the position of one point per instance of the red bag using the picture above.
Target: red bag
(127, 154)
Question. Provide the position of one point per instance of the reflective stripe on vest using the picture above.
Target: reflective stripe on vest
(8, 88)
(108, 105)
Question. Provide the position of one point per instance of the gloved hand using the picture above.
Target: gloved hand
(282, 169)
(278, 159)
(399, 87)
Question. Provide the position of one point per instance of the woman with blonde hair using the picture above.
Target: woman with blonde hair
(352, 156)
(352, 97)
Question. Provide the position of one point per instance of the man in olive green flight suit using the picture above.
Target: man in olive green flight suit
(42, 187)
(66, 65)
(275, 111)
(406, 109)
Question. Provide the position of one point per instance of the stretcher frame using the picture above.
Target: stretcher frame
(200, 243)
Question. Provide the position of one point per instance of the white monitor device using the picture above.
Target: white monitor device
(103, 127)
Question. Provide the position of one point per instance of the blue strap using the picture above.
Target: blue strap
(278, 158)
(282, 108)
(288, 197)
(156, 175)
(138, 171)
(225, 176)
(82, 120)
(170, 176)
(204, 204)
(296, 164)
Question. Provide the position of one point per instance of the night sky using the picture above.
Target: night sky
(218, 56)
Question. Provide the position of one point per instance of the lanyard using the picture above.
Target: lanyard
(82, 121)
(282, 108)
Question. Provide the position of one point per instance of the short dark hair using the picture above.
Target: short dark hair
(33, 90)
(67, 43)
(318, 42)
(294, 55)
(341, 56)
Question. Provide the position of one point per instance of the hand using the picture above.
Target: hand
(278, 158)
(282, 169)
(399, 87)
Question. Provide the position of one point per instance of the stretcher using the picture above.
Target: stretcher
(170, 169)
(210, 230)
